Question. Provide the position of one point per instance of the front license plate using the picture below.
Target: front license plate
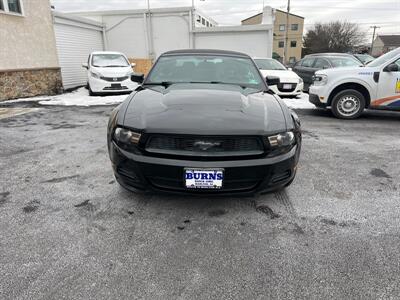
(115, 85)
(287, 86)
(204, 178)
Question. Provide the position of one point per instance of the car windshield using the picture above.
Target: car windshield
(384, 58)
(364, 58)
(269, 64)
(340, 62)
(109, 60)
(206, 69)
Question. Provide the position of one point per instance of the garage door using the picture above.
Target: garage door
(76, 39)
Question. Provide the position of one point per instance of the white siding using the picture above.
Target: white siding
(74, 44)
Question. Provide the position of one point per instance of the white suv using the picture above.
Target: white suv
(348, 91)
(109, 72)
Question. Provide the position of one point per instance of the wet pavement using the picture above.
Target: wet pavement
(68, 231)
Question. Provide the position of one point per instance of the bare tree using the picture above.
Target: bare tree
(333, 37)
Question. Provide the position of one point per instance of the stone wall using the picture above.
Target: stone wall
(29, 82)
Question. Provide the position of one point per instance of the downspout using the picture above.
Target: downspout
(146, 34)
(151, 44)
(191, 29)
(105, 43)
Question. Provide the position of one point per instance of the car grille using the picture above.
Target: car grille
(205, 145)
(291, 89)
(115, 79)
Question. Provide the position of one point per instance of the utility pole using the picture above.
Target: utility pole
(285, 53)
(373, 37)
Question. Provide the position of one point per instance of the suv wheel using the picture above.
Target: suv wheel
(348, 104)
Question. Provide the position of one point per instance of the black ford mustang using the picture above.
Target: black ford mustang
(204, 121)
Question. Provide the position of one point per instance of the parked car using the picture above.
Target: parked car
(204, 121)
(109, 72)
(307, 67)
(348, 91)
(290, 83)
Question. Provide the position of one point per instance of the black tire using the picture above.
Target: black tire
(348, 104)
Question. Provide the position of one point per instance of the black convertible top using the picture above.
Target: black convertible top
(205, 52)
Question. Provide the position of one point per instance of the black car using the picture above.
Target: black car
(204, 121)
(307, 66)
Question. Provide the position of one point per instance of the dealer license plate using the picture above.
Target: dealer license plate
(204, 178)
(287, 86)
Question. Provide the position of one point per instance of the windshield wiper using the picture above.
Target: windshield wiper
(114, 66)
(221, 82)
(162, 83)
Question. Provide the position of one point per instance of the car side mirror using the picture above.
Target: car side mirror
(139, 78)
(272, 80)
(133, 65)
(85, 65)
(392, 68)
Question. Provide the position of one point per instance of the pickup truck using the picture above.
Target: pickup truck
(348, 91)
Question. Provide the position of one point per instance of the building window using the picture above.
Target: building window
(281, 44)
(295, 27)
(293, 44)
(282, 27)
(203, 21)
(208, 24)
(14, 6)
(292, 59)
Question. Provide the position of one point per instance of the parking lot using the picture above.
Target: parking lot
(69, 231)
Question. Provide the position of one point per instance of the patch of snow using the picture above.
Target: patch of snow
(299, 103)
(79, 97)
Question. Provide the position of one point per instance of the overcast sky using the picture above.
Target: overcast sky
(383, 13)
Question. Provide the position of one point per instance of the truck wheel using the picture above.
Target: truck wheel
(348, 104)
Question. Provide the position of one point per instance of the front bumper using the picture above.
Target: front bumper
(102, 86)
(254, 176)
(317, 96)
(297, 90)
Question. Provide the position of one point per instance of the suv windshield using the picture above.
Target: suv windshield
(206, 69)
(384, 58)
(269, 64)
(339, 62)
(109, 60)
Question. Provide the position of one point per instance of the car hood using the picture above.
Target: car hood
(347, 71)
(199, 109)
(112, 71)
(284, 75)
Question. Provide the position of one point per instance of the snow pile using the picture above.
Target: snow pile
(79, 97)
(299, 103)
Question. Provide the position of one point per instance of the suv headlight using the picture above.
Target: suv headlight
(320, 79)
(126, 137)
(281, 143)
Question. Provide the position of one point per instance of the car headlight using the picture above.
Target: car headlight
(281, 143)
(126, 137)
(300, 80)
(320, 79)
(95, 75)
(129, 73)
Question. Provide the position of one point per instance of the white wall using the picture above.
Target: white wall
(131, 33)
(256, 42)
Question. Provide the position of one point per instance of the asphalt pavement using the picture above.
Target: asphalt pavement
(68, 231)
